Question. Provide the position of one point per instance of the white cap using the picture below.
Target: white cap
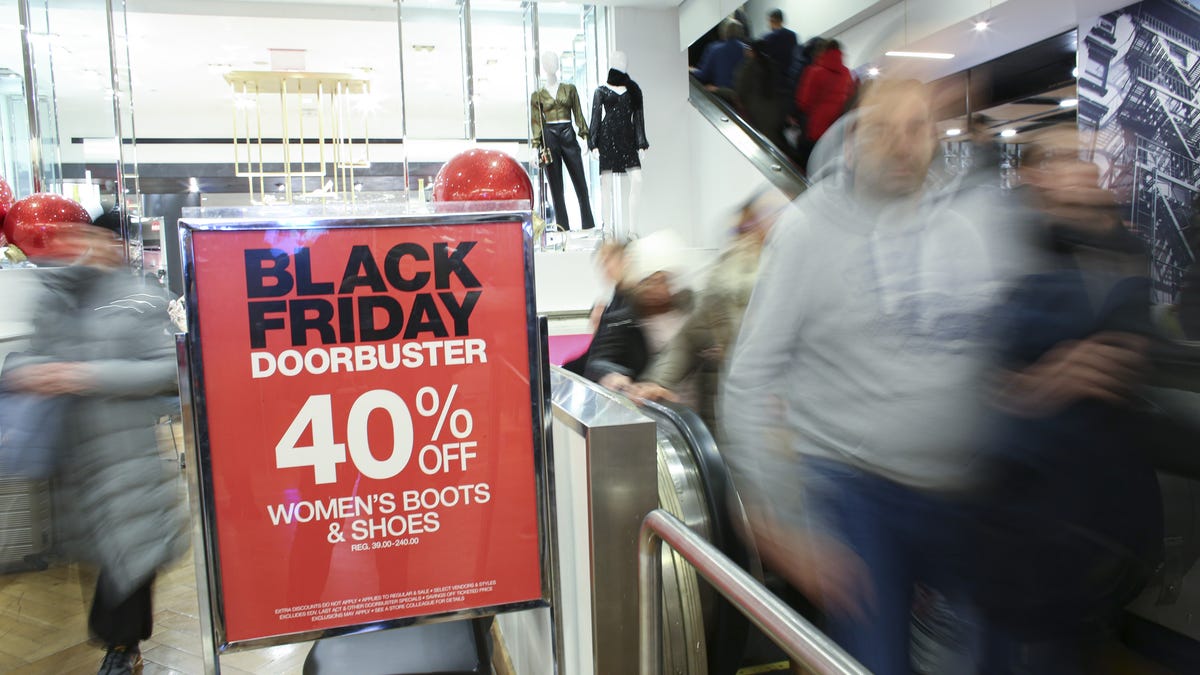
(661, 251)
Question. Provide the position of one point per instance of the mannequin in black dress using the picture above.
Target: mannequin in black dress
(618, 138)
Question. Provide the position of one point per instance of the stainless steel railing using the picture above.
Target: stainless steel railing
(770, 160)
(797, 637)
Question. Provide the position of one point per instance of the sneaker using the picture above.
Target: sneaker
(122, 661)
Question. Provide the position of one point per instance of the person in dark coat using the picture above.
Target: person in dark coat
(104, 338)
(629, 337)
(610, 258)
(1067, 523)
(756, 89)
(721, 59)
(824, 90)
(779, 45)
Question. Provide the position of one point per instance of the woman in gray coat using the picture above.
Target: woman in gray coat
(105, 339)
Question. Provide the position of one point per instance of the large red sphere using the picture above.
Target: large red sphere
(6, 199)
(33, 223)
(482, 175)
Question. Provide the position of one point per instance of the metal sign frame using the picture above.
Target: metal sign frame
(196, 438)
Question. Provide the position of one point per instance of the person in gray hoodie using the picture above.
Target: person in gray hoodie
(852, 394)
(103, 338)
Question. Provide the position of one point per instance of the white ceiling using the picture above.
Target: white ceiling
(1012, 25)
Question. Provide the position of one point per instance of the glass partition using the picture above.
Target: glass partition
(501, 69)
(434, 69)
(442, 76)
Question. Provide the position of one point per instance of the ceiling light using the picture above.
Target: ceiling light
(872, 72)
(1075, 72)
(981, 25)
(1008, 133)
(1068, 103)
(953, 132)
(922, 55)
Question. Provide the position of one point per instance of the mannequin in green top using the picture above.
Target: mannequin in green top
(551, 108)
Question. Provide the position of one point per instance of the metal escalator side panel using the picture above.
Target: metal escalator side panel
(685, 649)
(761, 152)
(692, 467)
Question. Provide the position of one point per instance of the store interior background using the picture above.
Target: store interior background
(151, 72)
(159, 83)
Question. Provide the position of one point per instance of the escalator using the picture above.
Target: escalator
(771, 161)
(702, 632)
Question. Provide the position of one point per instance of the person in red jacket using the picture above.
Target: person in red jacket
(825, 87)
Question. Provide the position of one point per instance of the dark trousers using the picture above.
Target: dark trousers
(560, 139)
(122, 621)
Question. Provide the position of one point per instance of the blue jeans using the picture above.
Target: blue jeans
(903, 537)
(906, 537)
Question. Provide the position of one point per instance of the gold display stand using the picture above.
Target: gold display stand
(342, 141)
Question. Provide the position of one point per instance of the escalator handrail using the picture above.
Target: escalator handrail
(771, 160)
(796, 636)
(709, 463)
(721, 500)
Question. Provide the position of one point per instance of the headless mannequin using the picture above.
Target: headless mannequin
(611, 183)
(560, 138)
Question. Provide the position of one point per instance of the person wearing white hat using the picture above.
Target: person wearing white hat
(628, 339)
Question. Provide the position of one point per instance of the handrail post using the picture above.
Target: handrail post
(799, 639)
(649, 599)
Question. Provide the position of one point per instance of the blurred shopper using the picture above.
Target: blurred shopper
(756, 94)
(794, 120)
(779, 45)
(1069, 525)
(721, 59)
(105, 339)
(701, 348)
(628, 338)
(822, 94)
(611, 264)
(851, 396)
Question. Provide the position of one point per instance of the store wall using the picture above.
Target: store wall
(696, 17)
(723, 178)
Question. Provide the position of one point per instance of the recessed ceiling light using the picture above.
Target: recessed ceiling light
(981, 25)
(921, 55)
(872, 72)
(1008, 133)
(953, 132)
(1068, 103)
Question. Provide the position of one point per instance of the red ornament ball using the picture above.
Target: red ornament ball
(6, 199)
(35, 222)
(482, 175)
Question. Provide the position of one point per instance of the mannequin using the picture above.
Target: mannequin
(551, 109)
(619, 140)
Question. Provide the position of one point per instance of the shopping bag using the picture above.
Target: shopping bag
(30, 428)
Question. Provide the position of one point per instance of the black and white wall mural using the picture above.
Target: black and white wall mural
(1139, 112)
